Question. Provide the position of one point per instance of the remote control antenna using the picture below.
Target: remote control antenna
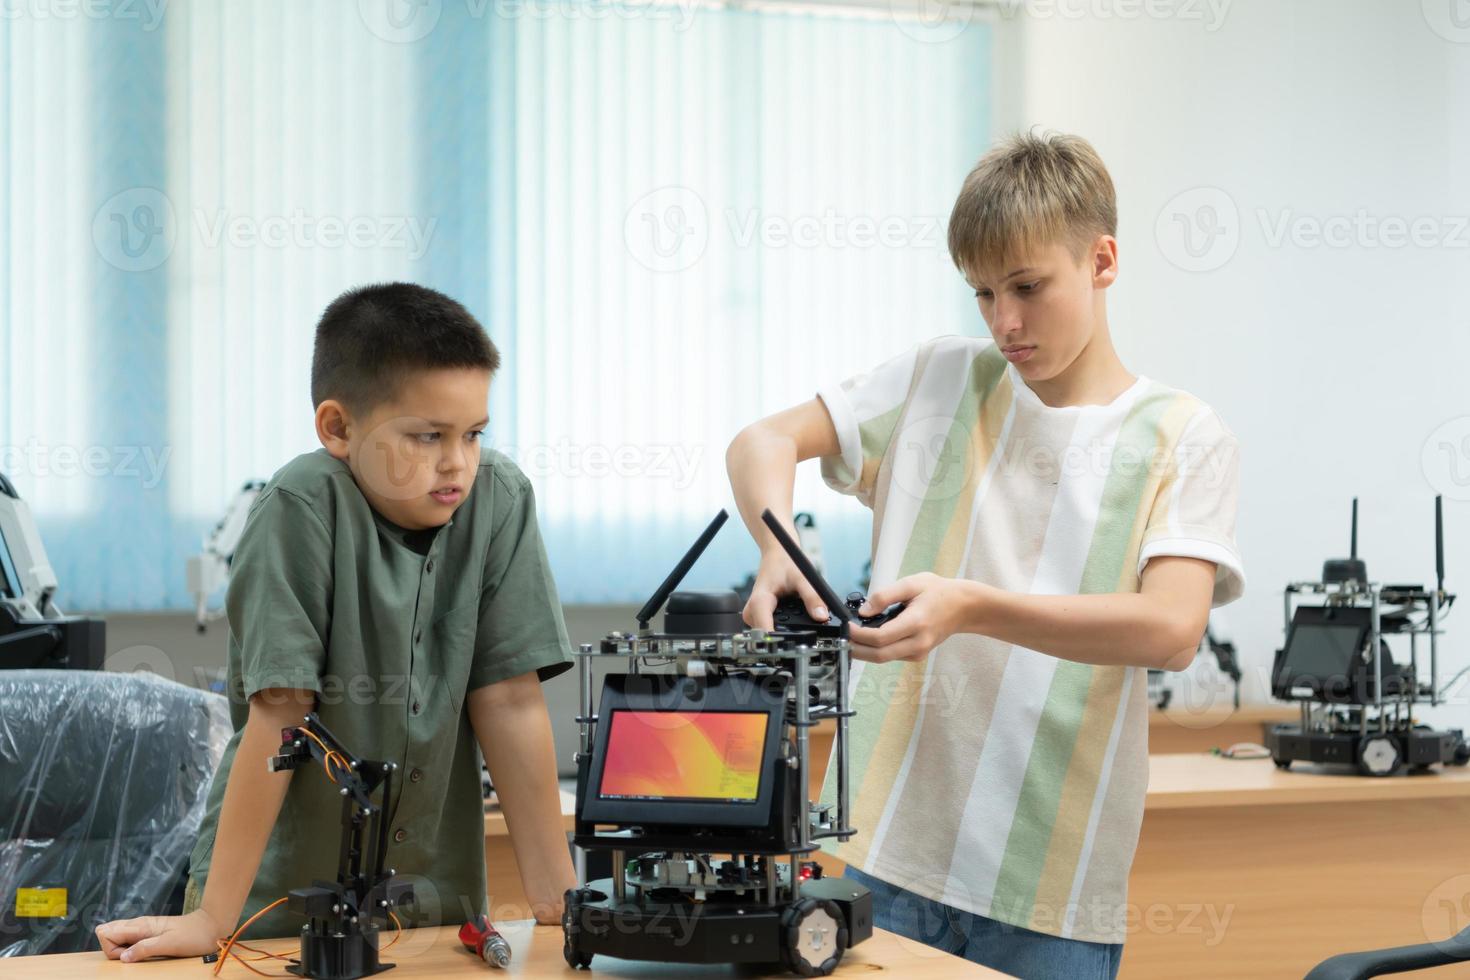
(1353, 552)
(835, 606)
(661, 594)
(1439, 541)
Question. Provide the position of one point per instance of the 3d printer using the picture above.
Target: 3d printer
(1357, 701)
(692, 772)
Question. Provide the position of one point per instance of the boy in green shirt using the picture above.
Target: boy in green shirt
(395, 582)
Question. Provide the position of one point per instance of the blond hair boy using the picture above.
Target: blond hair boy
(1057, 526)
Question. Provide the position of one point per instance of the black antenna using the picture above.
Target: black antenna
(1439, 540)
(835, 606)
(1354, 552)
(661, 594)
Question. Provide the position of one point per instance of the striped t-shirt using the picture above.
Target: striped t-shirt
(999, 780)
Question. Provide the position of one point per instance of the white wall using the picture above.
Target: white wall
(1336, 366)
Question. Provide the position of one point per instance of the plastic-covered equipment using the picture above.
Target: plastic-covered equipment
(103, 781)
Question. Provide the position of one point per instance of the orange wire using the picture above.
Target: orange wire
(330, 755)
(225, 952)
(397, 935)
(260, 973)
(264, 955)
(227, 947)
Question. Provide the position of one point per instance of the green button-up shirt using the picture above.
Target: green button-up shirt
(391, 628)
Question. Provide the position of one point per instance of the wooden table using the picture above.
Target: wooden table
(1178, 729)
(536, 952)
(502, 873)
(1246, 870)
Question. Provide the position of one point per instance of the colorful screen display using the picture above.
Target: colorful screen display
(684, 755)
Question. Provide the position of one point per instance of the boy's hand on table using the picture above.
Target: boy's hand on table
(777, 577)
(133, 940)
(937, 608)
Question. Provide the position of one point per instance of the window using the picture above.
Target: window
(672, 220)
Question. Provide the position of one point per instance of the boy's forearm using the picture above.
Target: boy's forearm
(1122, 629)
(515, 737)
(762, 468)
(248, 812)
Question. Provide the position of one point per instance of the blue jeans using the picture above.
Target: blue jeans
(998, 945)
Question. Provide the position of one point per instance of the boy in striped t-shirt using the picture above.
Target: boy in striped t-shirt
(1057, 526)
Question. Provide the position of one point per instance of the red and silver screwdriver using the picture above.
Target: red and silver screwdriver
(480, 937)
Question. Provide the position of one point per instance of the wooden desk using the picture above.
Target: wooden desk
(1246, 870)
(536, 952)
(1180, 730)
(502, 873)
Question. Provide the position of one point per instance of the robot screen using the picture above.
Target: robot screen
(684, 755)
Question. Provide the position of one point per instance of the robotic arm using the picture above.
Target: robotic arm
(208, 572)
(341, 941)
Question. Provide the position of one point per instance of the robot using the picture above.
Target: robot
(1357, 701)
(692, 773)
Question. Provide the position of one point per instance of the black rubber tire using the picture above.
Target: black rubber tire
(571, 929)
(792, 956)
(1393, 770)
(576, 959)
